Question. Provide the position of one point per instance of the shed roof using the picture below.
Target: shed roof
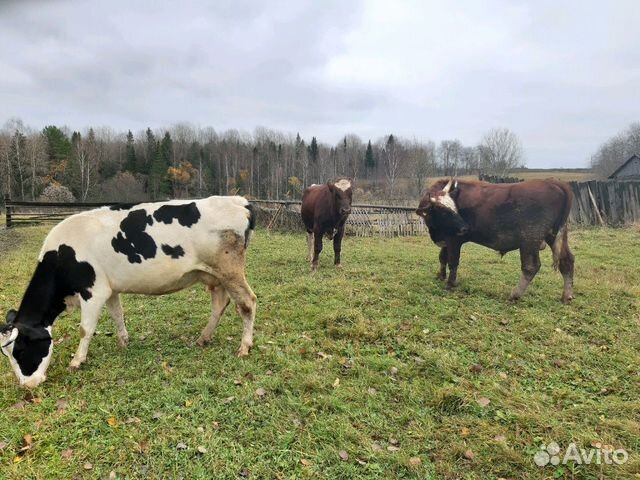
(631, 158)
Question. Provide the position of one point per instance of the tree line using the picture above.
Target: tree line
(617, 150)
(100, 164)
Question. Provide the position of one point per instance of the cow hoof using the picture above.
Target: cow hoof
(244, 351)
(314, 268)
(123, 341)
(441, 277)
(566, 299)
(338, 266)
(451, 286)
(202, 341)
(515, 296)
(74, 365)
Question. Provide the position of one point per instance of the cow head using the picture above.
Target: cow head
(440, 212)
(27, 348)
(342, 196)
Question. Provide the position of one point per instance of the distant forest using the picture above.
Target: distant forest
(100, 164)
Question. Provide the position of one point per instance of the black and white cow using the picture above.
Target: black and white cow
(149, 248)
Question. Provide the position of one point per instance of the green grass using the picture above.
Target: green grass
(551, 372)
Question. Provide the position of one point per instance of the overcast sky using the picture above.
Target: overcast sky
(563, 75)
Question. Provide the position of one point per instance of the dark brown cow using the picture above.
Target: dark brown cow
(505, 217)
(325, 209)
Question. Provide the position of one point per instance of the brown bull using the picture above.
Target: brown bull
(325, 209)
(504, 217)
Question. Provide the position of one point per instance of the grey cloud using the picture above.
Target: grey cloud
(563, 79)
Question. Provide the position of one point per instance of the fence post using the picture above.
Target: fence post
(7, 200)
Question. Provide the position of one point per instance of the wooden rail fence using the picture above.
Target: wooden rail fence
(611, 202)
(32, 213)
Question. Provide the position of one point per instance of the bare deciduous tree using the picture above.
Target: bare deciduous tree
(449, 154)
(421, 162)
(391, 158)
(500, 151)
(19, 161)
(36, 151)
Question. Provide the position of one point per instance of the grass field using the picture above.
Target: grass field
(557, 174)
(374, 371)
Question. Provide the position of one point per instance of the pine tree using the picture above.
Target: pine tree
(369, 160)
(158, 180)
(313, 158)
(157, 176)
(150, 152)
(130, 163)
(58, 152)
(300, 158)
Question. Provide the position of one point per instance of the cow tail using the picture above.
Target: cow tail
(252, 223)
(561, 241)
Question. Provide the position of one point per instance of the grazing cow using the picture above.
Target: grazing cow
(149, 248)
(505, 217)
(325, 209)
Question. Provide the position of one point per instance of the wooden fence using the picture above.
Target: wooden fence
(611, 202)
(282, 215)
(364, 220)
(32, 213)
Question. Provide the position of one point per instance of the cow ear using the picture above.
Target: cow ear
(421, 212)
(11, 316)
(331, 185)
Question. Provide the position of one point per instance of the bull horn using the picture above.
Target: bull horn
(447, 187)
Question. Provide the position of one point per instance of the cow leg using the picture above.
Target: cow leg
(566, 268)
(310, 245)
(246, 301)
(453, 259)
(317, 244)
(229, 276)
(564, 260)
(442, 275)
(530, 264)
(219, 301)
(90, 313)
(115, 310)
(337, 245)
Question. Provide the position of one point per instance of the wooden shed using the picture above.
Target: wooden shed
(628, 170)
